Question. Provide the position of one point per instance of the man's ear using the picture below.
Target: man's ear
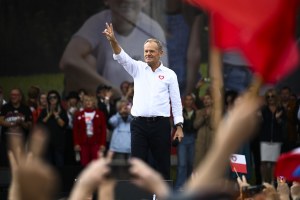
(162, 53)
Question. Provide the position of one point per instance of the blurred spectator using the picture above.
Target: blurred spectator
(33, 97)
(121, 137)
(14, 115)
(124, 89)
(271, 134)
(55, 119)
(105, 102)
(72, 108)
(205, 132)
(81, 93)
(186, 148)
(89, 131)
(87, 52)
(42, 104)
(290, 111)
(107, 105)
(2, 100)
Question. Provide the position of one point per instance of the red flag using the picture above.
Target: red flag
(262, 29)
(288, 165)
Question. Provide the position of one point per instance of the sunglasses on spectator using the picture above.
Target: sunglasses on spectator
(52, 97)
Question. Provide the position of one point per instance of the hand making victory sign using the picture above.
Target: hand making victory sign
(109, 34)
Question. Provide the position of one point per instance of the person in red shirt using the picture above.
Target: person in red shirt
(89, 131)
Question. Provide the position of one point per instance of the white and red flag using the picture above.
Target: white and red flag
(238, 163)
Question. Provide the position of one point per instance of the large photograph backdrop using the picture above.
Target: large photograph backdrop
(34, 35)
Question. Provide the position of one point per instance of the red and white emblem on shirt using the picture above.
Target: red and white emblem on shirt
(161, 77)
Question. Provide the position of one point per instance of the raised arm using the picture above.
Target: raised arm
(77, 61)
(110, 35)
(228, 139)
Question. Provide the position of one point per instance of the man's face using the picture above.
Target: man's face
(128, 9)
(152, 54)
(285, 95)
(15, 96)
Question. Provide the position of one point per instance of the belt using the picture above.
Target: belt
(150, 119)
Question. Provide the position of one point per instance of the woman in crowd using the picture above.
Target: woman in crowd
(89, 131)
(203, 124)
(186, 148)
(55, 118)
(271, 135)
(42, 104)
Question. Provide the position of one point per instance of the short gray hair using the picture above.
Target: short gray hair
(159, 45)
(120, 102)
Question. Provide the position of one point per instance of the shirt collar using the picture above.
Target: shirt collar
(160, 68)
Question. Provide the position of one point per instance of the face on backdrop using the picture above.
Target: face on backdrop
(128, 9)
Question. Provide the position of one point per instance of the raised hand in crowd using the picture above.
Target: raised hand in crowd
(28, 170)
(92, 177)
(242, 119)
(283, 189)
(147, 178)
(270, 192)
(295, 191)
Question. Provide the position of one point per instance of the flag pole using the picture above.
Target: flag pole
(215, 72)
(236, 172)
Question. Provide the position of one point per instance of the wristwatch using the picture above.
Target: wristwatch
(179, 124)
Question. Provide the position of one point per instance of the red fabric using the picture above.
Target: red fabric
(99, 127)
(288, 164)
(241, 168)
(263, 30)
(88, 153)
(35, 114)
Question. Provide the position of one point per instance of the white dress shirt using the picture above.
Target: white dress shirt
(153, 91)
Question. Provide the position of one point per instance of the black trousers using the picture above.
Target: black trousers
(153, 135)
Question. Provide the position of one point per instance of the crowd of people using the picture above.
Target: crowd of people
(33, 150)
(81, 125)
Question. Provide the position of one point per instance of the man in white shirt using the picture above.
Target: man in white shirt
(155, 86)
